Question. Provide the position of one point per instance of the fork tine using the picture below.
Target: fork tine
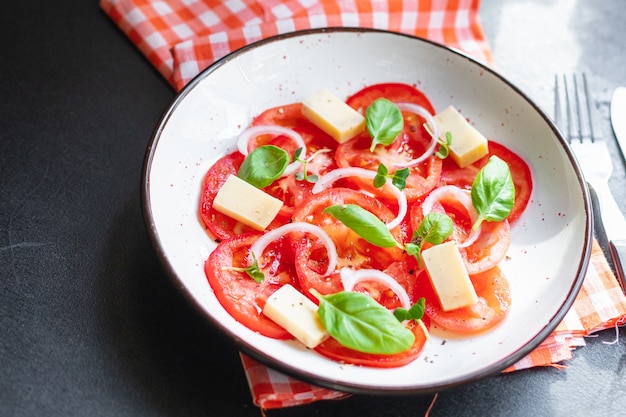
(571, 114)
(579, 111)
(594, 133)
(558, 111)
(574, 108)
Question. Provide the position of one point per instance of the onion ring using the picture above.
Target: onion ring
(434, 133)
(257, 248)
(254, 131)
(351, 277)
(336, 174)
(463, 197)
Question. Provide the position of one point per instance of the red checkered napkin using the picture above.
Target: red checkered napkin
(182, 37)
(600, 305)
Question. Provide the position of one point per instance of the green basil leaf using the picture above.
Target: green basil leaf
(384, 122)
(435, 228)
(443, 150)
(416, 312)
(413, 249)
(364, 223)
(253, 271)
(381, 176)
(263, 165)
(399, 178)
(358, 322)
(493, 191)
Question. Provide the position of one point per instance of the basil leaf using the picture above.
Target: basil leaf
(364, 223)
(358, 322)
(443, 150)
(435, 228)
(381, 176)
(263, 165)
(493, 191)
(416, 312)
(384, 122)
(399, 178)
(253, 271)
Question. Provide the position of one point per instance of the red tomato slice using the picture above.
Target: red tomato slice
(494, 303)
(220, 225)
(422, 178)
(490, 247)
(396, 92)
(291, 191)
(334, 350)
(290, 116)
(410, 144)
(404, 272)
(353, 251)
(241, 296)
(522, 179)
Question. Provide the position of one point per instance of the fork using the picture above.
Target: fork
(579, 123)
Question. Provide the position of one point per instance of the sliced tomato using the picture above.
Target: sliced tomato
(488, 249)
(396, 92)
(494, 303)
(241, 296)
(288, 189)
(422, 178)
(353, 251)
(332, 349)
(410, 144)
(448, 204)
(404, 272)
(290, 116)
(220, 225)
(451, 174)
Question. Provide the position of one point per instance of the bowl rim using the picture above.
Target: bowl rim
(319, 380)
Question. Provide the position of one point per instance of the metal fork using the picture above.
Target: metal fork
(578, 121)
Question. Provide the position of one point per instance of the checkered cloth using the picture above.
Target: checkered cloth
(182, 37)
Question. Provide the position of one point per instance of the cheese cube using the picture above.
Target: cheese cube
(333, 116)
(449, 277)
(297, 314)
(468, 144)
(244, 202)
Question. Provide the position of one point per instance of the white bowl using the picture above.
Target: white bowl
(550, 245)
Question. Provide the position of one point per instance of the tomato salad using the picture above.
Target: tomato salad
(355, 220)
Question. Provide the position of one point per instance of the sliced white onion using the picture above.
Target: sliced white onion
(351, 277)
(254, 131)
(259, 246)
(463, 197)
(336, 174)
(433, 130)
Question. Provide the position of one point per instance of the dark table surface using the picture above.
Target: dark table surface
(90, 324)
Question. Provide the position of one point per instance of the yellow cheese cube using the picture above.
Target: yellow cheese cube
(449, 277)
(468, 144)
(297, 314)
(246, 203)
(333, 116)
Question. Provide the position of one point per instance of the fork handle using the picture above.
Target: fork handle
(618, 253)
(611, 214)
